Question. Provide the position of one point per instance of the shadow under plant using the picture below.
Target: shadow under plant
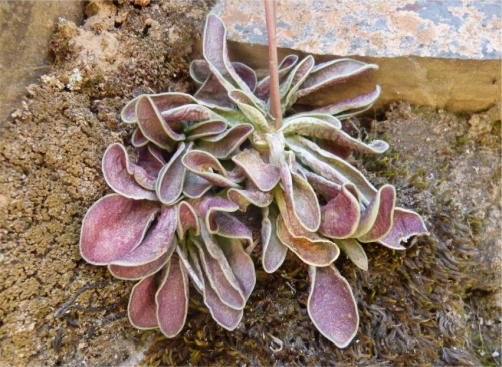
(434, 303)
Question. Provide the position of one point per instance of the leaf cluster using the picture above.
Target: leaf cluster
(203, 158)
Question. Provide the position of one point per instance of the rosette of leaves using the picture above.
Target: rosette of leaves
(201, 158)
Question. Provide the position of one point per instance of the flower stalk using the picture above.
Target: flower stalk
(275, 99)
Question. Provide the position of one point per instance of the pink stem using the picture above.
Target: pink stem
(275, 100)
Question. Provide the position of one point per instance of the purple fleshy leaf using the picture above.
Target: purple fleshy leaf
(332, 120)
(172, 100)
(289, 88)
(150, 162)
(219, 273)
(172, 298)
(222, 145)
(376, 218)
(273, 251)
(263, 88)
(204, 165)
(205, 128)
(153, 126)
(340, 216)
(240, 263)
(331, 305)
(330, 166)
(190, 112)
(300, 196)
(264, 176)
(138, 139)
(406, 223)
(188, 264)
(199, 71)
(213, 94)
(309, 247)
(246, 74)
(158, 241)
(128, 113)
(163, 102)
(229, 226)
(307, 125)
(250, 109)
(245, 197)
(207, 206)
(305, 204)
(172, 177)
(351, 106)
(332, 134)
(322, 186)
(354, 252)
(216, 54)
(140, 271)
(224, 315)
(119, 171)
(333, 72)
(338, 150)
(231, 115)
(187, 219)
(195, 186)
(113, 227)
(144, 179)
(142, 309)
(151, 159)
(342, 145)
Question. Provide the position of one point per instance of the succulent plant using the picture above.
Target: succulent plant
(202, 158)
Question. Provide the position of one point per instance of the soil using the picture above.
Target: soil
(437, 303)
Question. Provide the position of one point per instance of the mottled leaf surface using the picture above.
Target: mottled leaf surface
(172, 177)
(340, 216)
(377, 217)
(206, 166)
(223, 314)
(172, 298)
(240, 263)
(273, 251)
(333, 72)
(118, 172)
(139, 271)
(264, 176)
(221, 146)
(142, 309)
(331, 305)
(406, 223)
(158, 241)
(114, 226)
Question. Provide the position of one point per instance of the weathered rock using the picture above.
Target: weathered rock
(27, 27)
(428, 51)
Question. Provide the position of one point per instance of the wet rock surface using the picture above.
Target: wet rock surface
(438, 302)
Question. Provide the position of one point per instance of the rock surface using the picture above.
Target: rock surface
(427, 51)
(465, 29)
(27, 27)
